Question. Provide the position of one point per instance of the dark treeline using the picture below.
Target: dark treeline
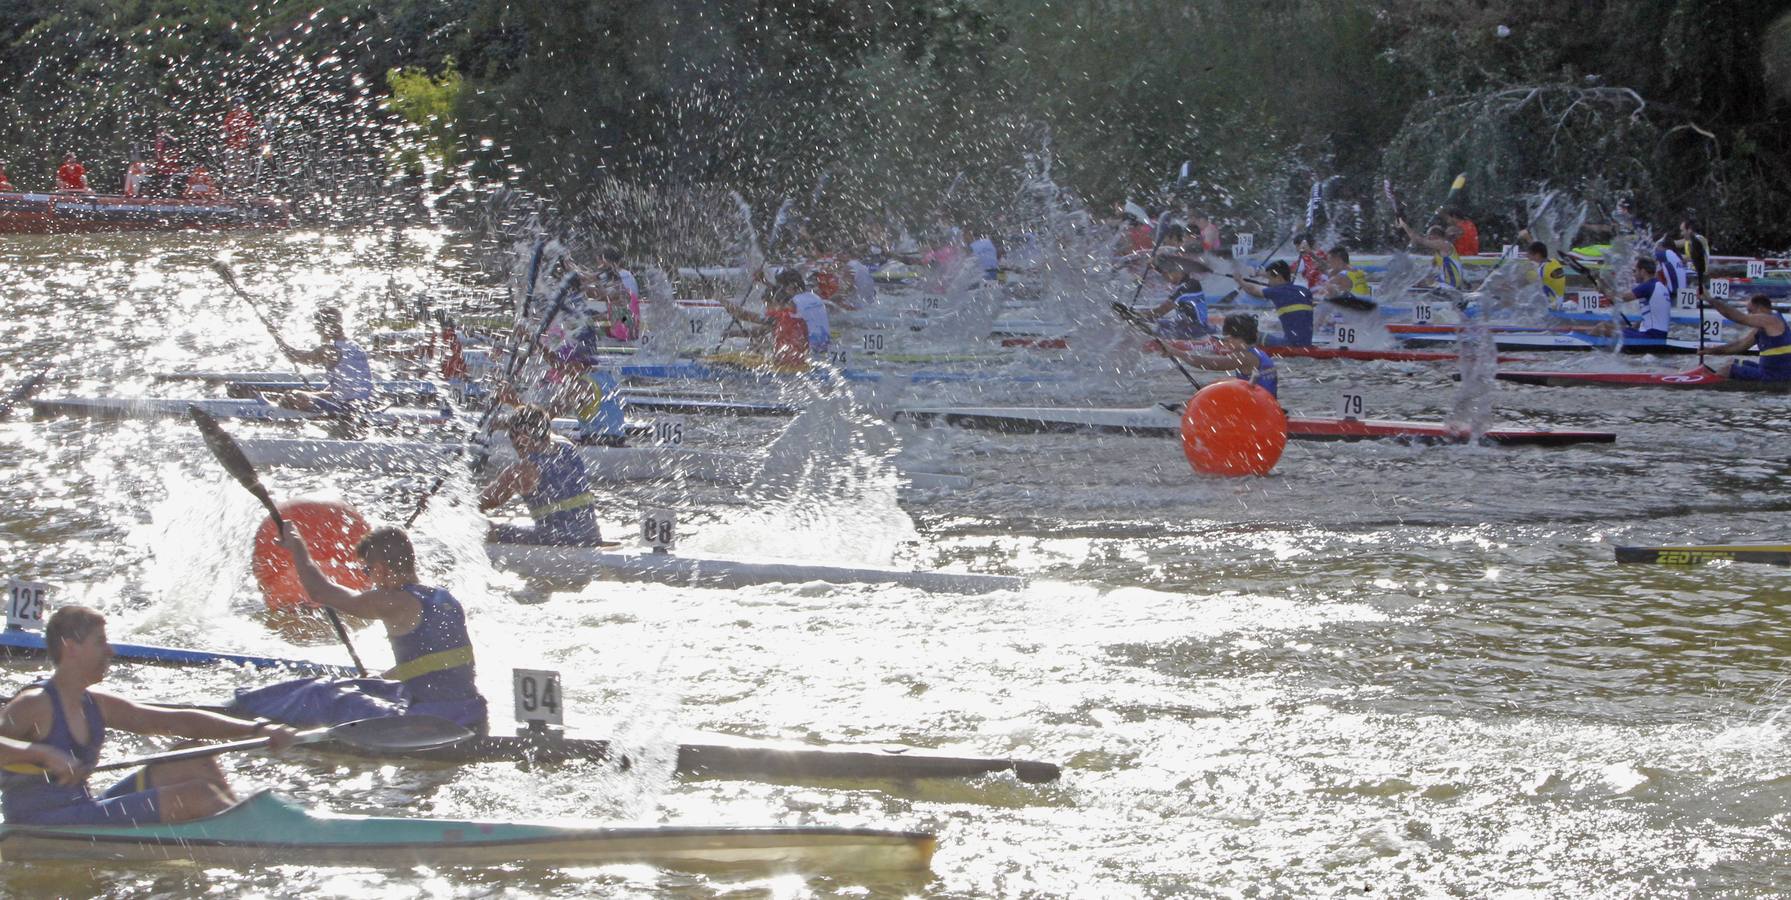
(877, 109)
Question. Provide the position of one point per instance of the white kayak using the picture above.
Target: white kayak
(611, 464)
(245, 409)
(581, 564)
(603, 463)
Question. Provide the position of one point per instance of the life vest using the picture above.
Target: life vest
(1468, 242)
(1775, 352)
(827, 278)
(1449, 272)
(1553, 279)
(789, 339)
(1265, 376)
(25, 791)
(351, 378)
(562, 501)
(1358, 282)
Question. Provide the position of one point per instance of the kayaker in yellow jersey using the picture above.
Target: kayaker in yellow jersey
(1694, 248)
(1447, 264)
(1345, 284)
(64, 722)
(1549, 272)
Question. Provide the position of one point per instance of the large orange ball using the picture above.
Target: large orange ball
(330, 530)
(1233, 428)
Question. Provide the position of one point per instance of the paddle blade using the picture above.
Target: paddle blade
(223, 270)
(232, 457)
(1187, 171)
(394, 734)
(1461, 181)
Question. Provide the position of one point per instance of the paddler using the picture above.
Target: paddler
(1768, 332)
(551, 478)
(71, 175)
(5, 184)
(788, 330)
(1549, 273)
(1462, 231)
(1182, 315)
(1444, 258)
(1694, 248)
(345, 365)
(1651, 292)
(1345, 285)
(1312, 264)
(1237, 354)
(576, 383)
(432, 652)
(1293, 302)
(54, 730)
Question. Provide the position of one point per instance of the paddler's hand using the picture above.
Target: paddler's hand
(59, 766)
(279, 737)
(293, 542)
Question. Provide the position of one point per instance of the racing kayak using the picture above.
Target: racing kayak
(659, 402)
(245, 409)
(265, 828)
(1311, 352)
(711, 756)
(728, 757)
(1547, 341)
(20, 644)
(1699, 378)
(576, 565)
(1165, 421)
(1691, 554)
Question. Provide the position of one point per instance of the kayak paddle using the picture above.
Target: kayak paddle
(387, 734)
(223, 270)
(1131, 317)
(1161, 229)
(237, 464)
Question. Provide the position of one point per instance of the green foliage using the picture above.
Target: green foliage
(428, 103)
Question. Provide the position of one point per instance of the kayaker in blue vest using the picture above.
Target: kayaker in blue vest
(1293, 302)
(551, 478)
(54, 730)
(1651, 293)
(346, 370)
(432, 653)
(1768, 332)
(1182, 315)
(1237, 354)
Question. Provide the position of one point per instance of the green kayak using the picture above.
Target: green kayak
(267, 829)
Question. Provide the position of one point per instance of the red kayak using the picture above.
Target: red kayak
(59, 213)
(1324, 352)
(1700, 378)
(1301, 429)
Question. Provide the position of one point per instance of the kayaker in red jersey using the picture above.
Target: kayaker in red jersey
(65, 722)
(1463, 232)
(1313, 266)
(71, 175)
(788, 330)
(5, 185)
(200, 184)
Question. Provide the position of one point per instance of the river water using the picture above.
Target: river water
(1382, 670)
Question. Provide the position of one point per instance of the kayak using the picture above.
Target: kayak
(1774, 554)
(603, 463)
(244, 409)
(660, 402)
(60, 213)
(265, 828)
(563, 565)
(1165, 421)
(1700, 378)
(1543, 341)
(728, 757)
(704, 372)
(1311, 352)
(17, 643)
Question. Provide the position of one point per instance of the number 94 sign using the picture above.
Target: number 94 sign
(538, 696)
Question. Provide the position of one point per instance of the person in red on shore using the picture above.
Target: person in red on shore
(166, 167)
(1463, 232)
(133, 178)
(71, 175)
(5, 183)
(239, 126)
(200, 185)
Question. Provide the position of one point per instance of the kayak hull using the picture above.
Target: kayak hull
(265, 829)
(63, 213)
(728, 757)
(18, 644)
(1160, 421)
(1771, 554)
(1696, 379)
(575, 565)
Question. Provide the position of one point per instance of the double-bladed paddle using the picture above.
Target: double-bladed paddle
(25, 389)
(387, 734)
(1131, 317)
(224, 447)
(224, 272)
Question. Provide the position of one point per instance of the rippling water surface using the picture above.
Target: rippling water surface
(1384, 669)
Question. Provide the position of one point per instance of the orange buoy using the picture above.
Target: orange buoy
(330, 530)
(1233, 428)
